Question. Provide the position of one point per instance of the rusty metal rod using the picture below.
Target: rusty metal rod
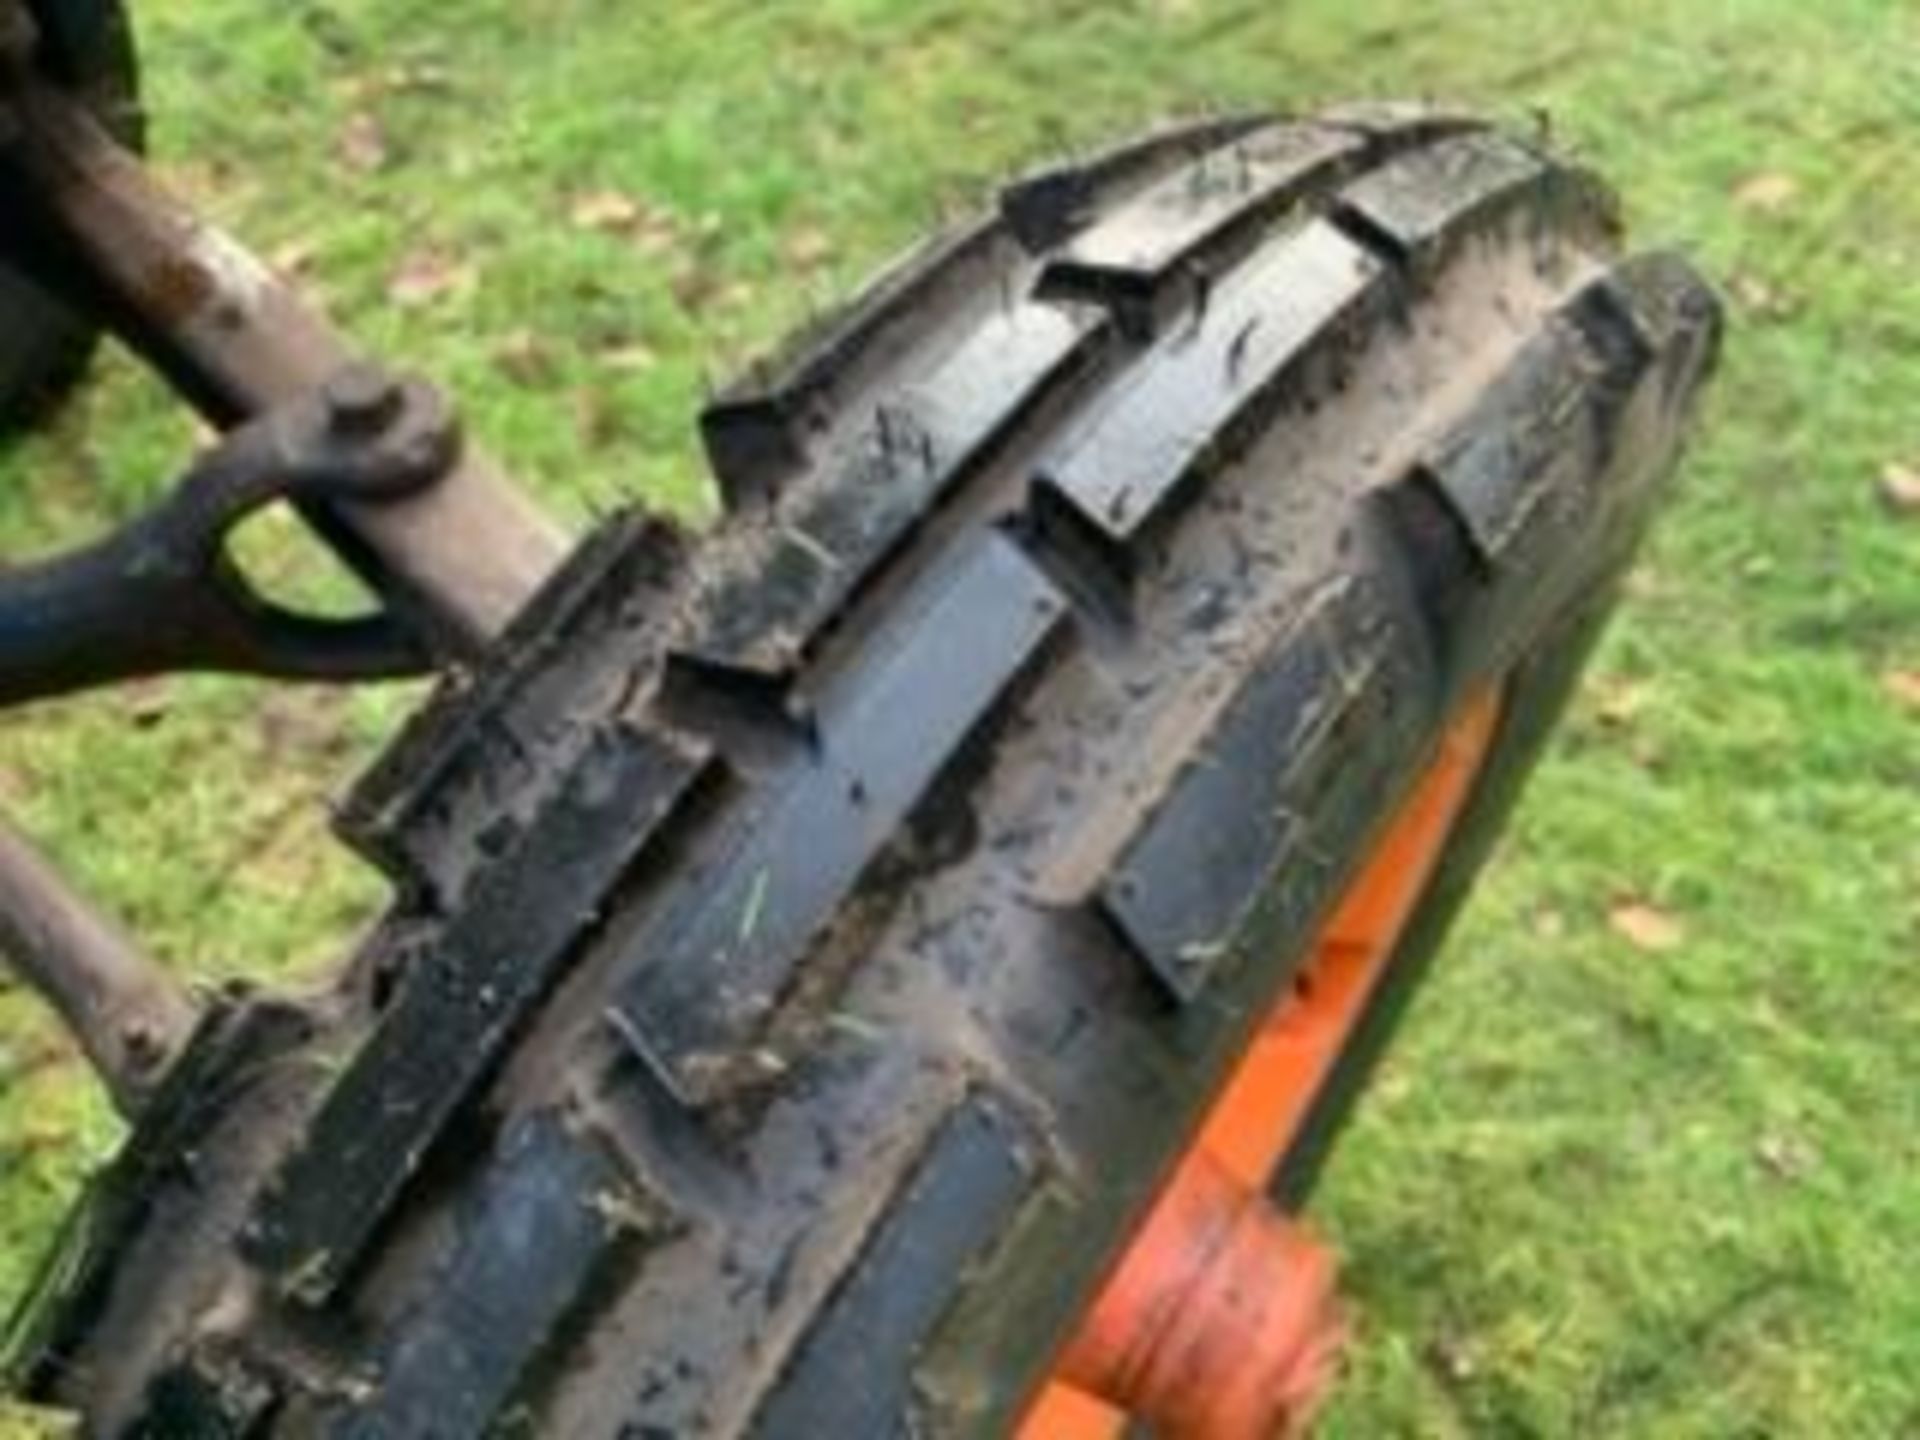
(126, 1012)
(86, 218)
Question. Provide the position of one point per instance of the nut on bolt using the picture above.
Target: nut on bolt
(362, 400)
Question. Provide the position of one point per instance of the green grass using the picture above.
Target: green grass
(1603, 1189)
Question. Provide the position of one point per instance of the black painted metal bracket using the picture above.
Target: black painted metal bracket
(163, 594)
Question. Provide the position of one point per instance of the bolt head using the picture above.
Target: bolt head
(362, 400)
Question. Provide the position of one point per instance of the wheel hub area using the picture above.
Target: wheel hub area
(1221, 1320)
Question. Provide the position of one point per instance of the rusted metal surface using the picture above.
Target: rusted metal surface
(452, 561)
(127, 1015)
(86, 219)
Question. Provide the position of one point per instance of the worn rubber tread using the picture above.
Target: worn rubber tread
(707, 973)
(1125, 467)
(873, 487)
(1422, 207)
(1221, 842)
(1529, 471)
(757, 433)
(1539, 636)
(1534, 697)
(1176, 235)
(1044, 208)
(1522, 475)
(760, 431)
(1217, 588)
(233, 1040)
(458, 1006)
(890, 472)
(554, 1216)
(957, 1200)
(466, 773)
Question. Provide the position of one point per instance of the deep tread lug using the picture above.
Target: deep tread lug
(1094, 573)
(1178, 229)
(971, 1181)
(911, 451)
(458, 1008)
(759, 432)
(198, 1400)
(1217, 848)
(748, 714)
(1046, 207)
(1416, 121)
(231, 1049)
(708, 970)
(1673, 311)
(1524, 474)
(555, 1215)
(434, 810)
(1125, 468)
(1504, 470)
(1418, 210)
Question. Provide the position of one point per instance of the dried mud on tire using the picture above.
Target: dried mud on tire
(814, 942)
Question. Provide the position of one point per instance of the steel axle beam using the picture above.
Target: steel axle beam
(129, 1017)
(86, 220)
(451, 562)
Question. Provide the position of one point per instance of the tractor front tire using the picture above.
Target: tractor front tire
(817, 944)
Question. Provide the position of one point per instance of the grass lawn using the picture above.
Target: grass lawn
(1648, 1161)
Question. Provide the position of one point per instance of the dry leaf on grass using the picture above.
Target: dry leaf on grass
(700, 287)
(363, 143)
(1453, 1357)
(1900, 488)
(605, 210)
(1785, 1157)
(1759, 298)
(146, 702)
(1646, 927)
(1903, 688)
(300, 725)
(612, 212)
(428, 276)
(596, 419)
(1618, 701)
(526, 359)
(417, 77)
(808, 248)
(630, 359)
(1767, 193)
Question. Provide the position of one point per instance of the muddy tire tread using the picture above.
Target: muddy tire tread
(646, 992)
